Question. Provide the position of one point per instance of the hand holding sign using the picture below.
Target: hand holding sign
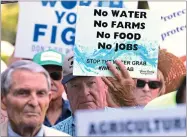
(122, 86)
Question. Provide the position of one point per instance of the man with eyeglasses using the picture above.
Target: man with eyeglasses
(59, 109)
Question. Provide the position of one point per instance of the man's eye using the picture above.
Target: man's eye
(42, 93)
(92, 82)
(74, 86)
(22, 92)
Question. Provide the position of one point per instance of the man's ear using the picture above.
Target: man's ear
(65, 87)
(50, 95)
(3, 103)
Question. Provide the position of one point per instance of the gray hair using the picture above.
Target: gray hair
(6, 76)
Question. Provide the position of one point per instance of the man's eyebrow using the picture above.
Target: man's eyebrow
(92, 78)
(28, 89)
(72, 82)
(46, 90)
(18, 89)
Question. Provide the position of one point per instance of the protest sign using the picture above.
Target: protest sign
(173, 28)
(46, 25)
(107, 34)
(132, 122)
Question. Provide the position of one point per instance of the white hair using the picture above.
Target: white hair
(6, 76)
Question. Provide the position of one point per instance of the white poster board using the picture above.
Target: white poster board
(46, 25)
(106, 34)
(132, 122)
(173, 31)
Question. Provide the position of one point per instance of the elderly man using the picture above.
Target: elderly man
(59, 109)
(25, 88)
(82, 92)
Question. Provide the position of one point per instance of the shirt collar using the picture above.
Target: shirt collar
(66, 109)
(74, 120)
(66, 105)
(11, 133)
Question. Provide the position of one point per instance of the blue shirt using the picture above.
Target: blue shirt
(68, 125)
(11, 133)
(66, 112)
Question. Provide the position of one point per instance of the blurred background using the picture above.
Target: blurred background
(9, 20)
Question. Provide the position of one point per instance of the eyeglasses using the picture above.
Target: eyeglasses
(56, 75)
(152, 84)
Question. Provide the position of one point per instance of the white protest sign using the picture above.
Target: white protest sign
(173, 31)
(107, 34)
(44, 25)
(132, 122)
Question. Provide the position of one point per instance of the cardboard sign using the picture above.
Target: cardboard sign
(173, 30)
(132, 122)
(47, 25)
(107, 34)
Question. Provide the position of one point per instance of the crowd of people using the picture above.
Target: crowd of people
(31, 92)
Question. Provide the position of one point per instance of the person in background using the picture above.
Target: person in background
(13, 59)
(25, 93)
(83, 92)
(181, 92)
(139, 92)
(3, 114)
(171, 99)
(59, 109)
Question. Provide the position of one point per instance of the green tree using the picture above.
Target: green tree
(9, 20)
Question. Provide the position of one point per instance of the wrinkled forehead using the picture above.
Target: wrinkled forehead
(25, 78)
(82, 79)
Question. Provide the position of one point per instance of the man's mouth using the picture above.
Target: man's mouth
(32, 113)
(86, 102)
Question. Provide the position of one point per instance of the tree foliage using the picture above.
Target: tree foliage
(9, 20)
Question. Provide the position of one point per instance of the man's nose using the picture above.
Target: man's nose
(52, 82)
(85, 90)
(33, 101)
